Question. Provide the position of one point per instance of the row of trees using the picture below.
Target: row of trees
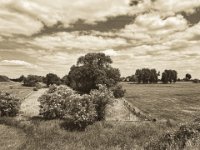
(33, 80)
(95, 68)
(147, 75)
(169, 76)
(90, 71)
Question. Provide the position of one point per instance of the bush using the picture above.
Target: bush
(186, 136)
(9, 105)
(196, 81)
(64, 103)
(101, 98)
(118, 91)
(35, 89)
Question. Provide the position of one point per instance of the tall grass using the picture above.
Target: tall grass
(48, 135)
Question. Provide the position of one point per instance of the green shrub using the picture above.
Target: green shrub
(101, 98)
(118, 91)
(9, 104)
(186, 136)
(35, 89)
(62, 102)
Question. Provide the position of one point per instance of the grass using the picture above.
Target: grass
(48, 135)
(16, 89)
(11, 137)
(179, 102)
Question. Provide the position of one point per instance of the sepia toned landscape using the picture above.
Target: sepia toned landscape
(100, 75)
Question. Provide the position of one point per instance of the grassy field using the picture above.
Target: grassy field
(11, 137)
(16, 89)
(179, 102)
(50, 135)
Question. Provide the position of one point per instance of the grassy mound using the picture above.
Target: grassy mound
(4, 79)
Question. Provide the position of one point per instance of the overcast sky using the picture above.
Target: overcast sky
(42, 36)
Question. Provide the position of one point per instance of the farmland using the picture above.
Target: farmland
(179, 102)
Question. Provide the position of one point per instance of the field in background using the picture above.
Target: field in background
(16, 89)
(179, 102)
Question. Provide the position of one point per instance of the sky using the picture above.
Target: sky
(42, 36)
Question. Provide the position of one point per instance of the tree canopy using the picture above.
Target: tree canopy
(169, 76)
(188, 76)
(91, 70)
(147, 75)
(52, 79)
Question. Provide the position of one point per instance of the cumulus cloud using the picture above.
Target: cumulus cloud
(110, 52)
(65, 40)
(170, 7)
(48, 32)
(27, 17)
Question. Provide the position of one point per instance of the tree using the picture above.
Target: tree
(65, 80)
(147, 75)
(32, 80)
(169, 76)
(52, 79)
(188, 76)
(91, 70)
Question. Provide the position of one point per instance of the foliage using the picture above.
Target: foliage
(20, 79)
(118, 91)
(184, 137)
(32, 80)
(169, 76)
(65, 80)
(35, 89)
(52, 79)
(188, 76)
(196, 81)
(9, 104)
(91, 70)
(101, 98)
(147, 75)
(62, 102)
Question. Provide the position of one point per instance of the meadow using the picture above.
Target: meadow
(178, 102)
(16, 89)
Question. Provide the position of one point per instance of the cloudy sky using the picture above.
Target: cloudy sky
(42, 36)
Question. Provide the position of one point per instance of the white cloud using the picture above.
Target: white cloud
(155, 22)
(25, 17)
(73, 40)
(12, 23)
(17, 63)
(110, 52)
(170, 7)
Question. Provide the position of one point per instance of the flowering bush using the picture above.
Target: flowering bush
(62, 102)
(9, 104)
(118, 91)
(101, 98)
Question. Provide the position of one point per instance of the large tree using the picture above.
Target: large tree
(91, 70)
(169, 76)
(52, 79)
(188, 76)
(147, 75)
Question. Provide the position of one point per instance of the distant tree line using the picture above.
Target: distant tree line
(150, 76)
(147, 75)
(169, 76)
